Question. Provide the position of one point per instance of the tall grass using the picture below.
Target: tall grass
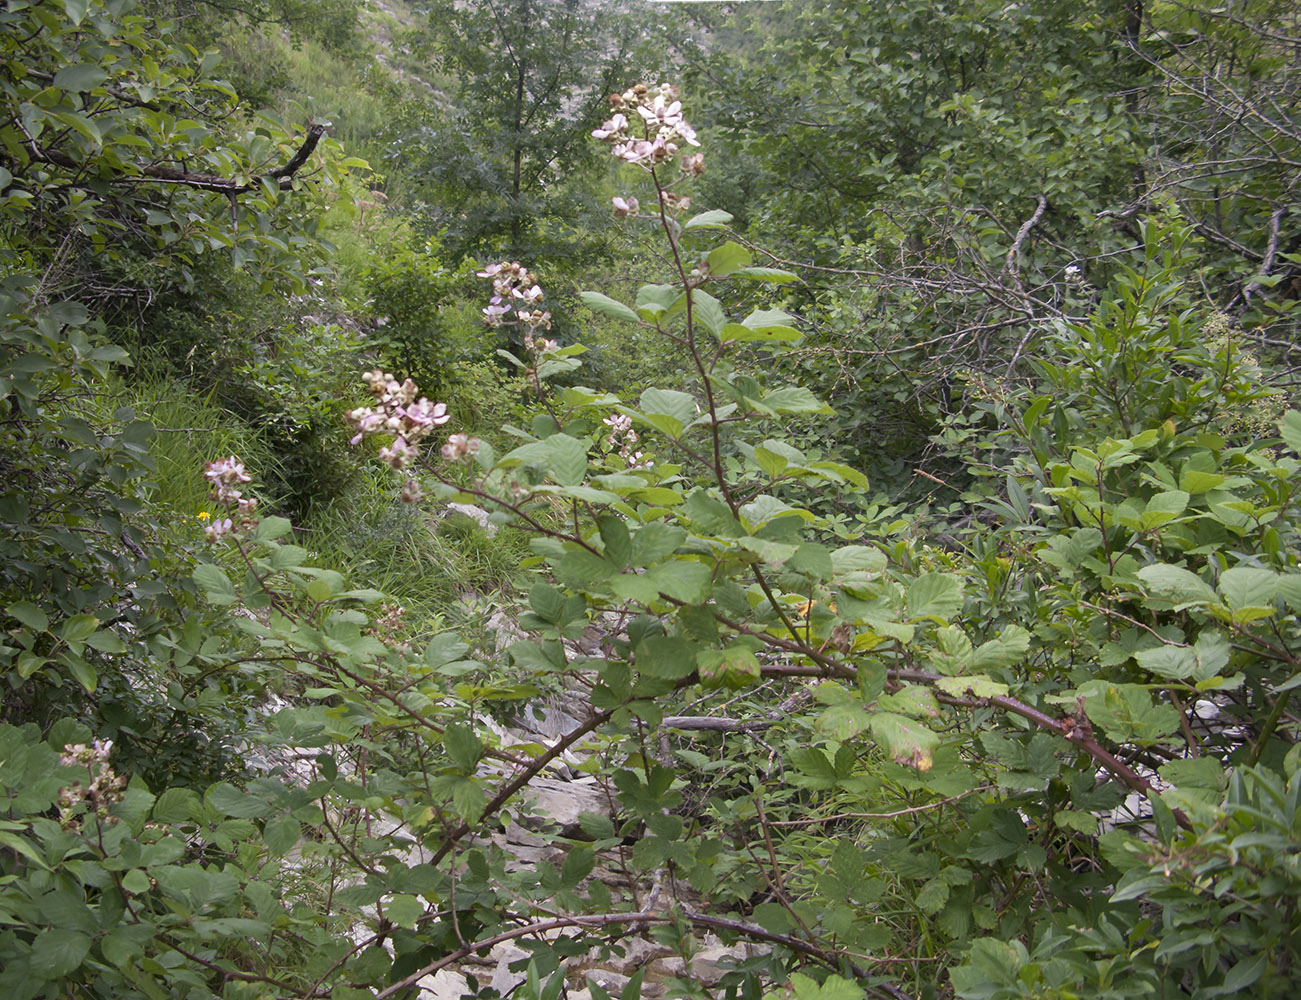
(427, 563)
(191, 430)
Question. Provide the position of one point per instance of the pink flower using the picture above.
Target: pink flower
(625, 206)
(411, 491)
(612, 128)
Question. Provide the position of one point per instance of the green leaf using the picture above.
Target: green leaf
(271, 528)
(771, 274)
(726, 259)
(463, 747)
(578, 865)
(567, 458)
(82, 672)
(1249, 592)
(935, 595)
(655, 541)
(1163, 508)
(30, 615)
(281, 834)
(227, 800)
(906, 741)
(715, 219)
(404, 910)
(834, 987)
(1126, 712)
(58, 952)
(24, 847)
(980, 686)
(708, 311)
(739, 333)
(857, 559)
(655, 301)
(711, 516)
(794, 399)
(666, 657)
(79, 77)
(680, 406)
(106, 642)
(911, 699)
(610, 307)
(1289, 430)
(1176, 585)
(1199, 662)
(770, 462)
(734, 667)
(215, 583)
(76, 10)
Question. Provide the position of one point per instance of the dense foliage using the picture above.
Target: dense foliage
(920, 597)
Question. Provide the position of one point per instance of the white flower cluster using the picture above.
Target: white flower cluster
(663, 128)
(513, 286)
(623, 439)
(410, 420)
(460, 445)
(400, 413)
(226, 476)
(105, 788)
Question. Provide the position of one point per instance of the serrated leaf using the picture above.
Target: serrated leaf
(935, 595)
(979, 685)
(714, 219)
(608, 306)
(1249, 592)
(735, 667)
(906, 741)
(1289, 430)
(1177, 585)
(271, 528)
(737, 333)
(58, 952)
(857, 558)
(794, 399)
(834, 987)
(215, 583)
(681, 406)
(726, 259)
(79, 77)
(654, 301)
(404, 910)
(708, 311)
(30, 615)
(281, 834)
(666, 657)
(106, 642)
(774, 275)
(911, 699)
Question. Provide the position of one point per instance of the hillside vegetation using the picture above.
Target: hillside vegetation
(538, 499)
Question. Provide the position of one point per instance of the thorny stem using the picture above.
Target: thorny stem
(707, 384)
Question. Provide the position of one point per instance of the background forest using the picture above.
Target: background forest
(539, 498)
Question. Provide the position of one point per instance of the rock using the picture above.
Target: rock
(476, 514)
(547, 721)
(503, 980)
(444, 985)
(561, 802)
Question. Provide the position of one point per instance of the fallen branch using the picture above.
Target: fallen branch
(709, 723)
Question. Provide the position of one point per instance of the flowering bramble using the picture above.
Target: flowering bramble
(663, 128)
